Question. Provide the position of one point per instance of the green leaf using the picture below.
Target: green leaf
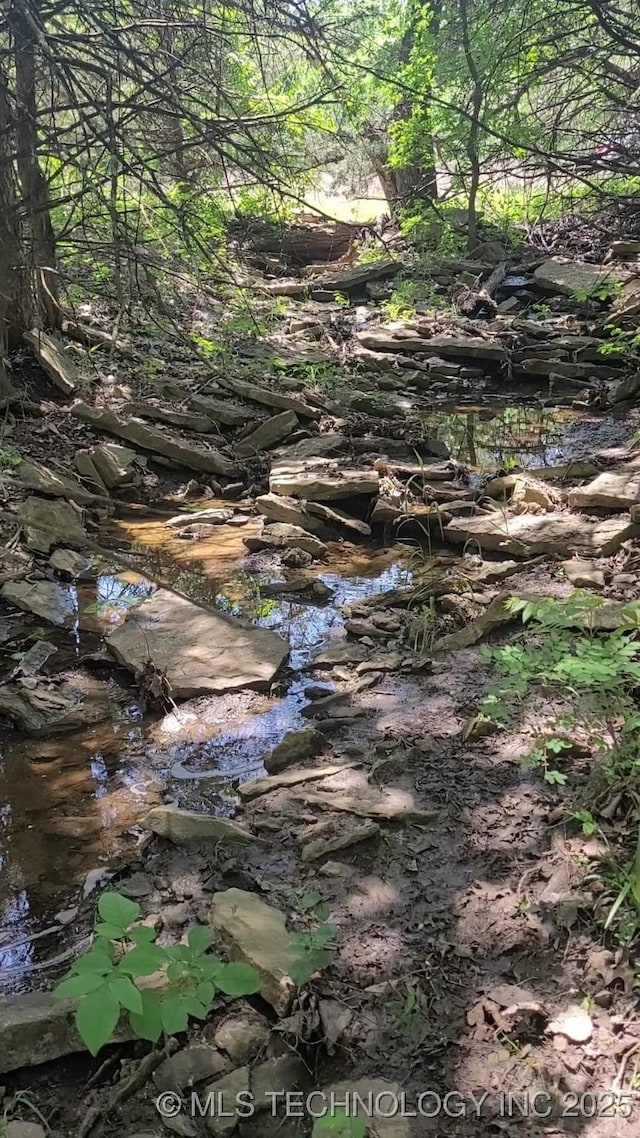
(174, 1014)
(118, 910)
(97, 1017)
(143, 960)
(126, 993)
(324, 934)
(95, 960)
(175, 970)
(238, 980)
(110, 932)
(142, 934)
(210, 967)
(205, 992)
(195, 1008)
(199, 939)
(79, 985)
(309, 901)
(148, 1025)
(303, 969)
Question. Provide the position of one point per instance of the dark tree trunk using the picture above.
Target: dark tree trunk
(15, 291)
(33, 184)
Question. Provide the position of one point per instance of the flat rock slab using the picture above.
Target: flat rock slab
(340, 840)
(560, 274)
(316, 446)
(38, 1028)
(295, 746)
(156, 442)
(468, 347)
(527, 534)
(40, 705)
(37, 476)
(114, 463)
(189, 826)
(584, 574)
(55, 603)
(259, 786)
(222, 411)
(616, 489)
(268, 434)
(321, 480)
(269, 398)
(47, 523)
(72, 564)
(54, 360)
(291, 511)
(333, 516)
(394, 805)
(255, 933)
(280, 535)
(200, 650)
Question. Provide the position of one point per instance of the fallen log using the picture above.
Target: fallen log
(301, 244)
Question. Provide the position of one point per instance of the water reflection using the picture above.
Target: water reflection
(486, 437)
(70, 801)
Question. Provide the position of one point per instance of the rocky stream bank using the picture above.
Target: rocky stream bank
(240, 610)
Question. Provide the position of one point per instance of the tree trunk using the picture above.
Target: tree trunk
(15, 292)
(473, 137)
(418, 181)
(33, 184)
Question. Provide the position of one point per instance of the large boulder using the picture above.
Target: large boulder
(198, 649)
(561, 274)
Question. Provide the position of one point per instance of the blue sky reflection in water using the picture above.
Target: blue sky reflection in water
(239, 752)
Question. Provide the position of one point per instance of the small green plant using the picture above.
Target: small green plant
(587, 822)
(313, 944)
(9, 457)
(629, 891)
(316, 374)
(539, 757)
(342, 300)
(122, 950)
(594, 675)
(339, 1124)
(620, 344)
(401, 303)
(606, 291)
